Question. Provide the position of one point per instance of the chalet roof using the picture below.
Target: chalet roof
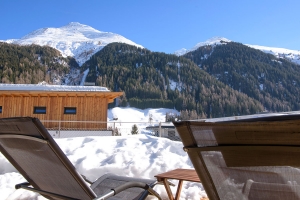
(44, 87)
(57, 90)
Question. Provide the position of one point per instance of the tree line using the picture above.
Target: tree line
(272, 81)
(153, 79)
(32, 64)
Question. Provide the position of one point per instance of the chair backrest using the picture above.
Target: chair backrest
(273, 191)
(227, 154)
(32, 151)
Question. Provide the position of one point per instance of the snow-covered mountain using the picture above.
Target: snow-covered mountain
(77, 40)
(292, 55)
(82, 41)
(211, 41)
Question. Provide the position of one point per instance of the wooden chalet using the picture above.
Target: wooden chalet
(57, 105)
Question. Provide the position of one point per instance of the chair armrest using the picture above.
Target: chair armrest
(26, 184)
(126, 186)
(20, 185)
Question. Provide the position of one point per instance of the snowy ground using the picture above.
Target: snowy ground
(135, 156)
(125, 118)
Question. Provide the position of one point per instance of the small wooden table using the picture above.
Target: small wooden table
(177, 174)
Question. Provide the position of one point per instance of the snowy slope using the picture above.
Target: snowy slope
(211, 41)
(292, 55)
(77, 40)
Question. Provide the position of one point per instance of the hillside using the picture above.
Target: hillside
(271, 80)
(32, 64)
(288, 54)
(152, 80)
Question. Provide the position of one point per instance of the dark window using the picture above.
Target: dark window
(39, 110)
(70, 110)
(0, 109)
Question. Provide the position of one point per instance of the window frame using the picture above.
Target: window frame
(35, 108)
(70, 110)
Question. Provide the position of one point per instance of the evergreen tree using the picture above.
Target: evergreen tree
(32, 64)
(134, 130)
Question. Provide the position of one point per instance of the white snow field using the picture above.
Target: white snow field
(139, 155)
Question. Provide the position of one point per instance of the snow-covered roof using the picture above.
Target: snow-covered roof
(44, 87)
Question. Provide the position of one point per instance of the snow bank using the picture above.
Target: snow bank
(135, 156)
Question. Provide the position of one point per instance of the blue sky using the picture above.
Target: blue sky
(163, 25)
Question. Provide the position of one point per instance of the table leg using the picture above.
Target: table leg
(178, 190)
(168, 189)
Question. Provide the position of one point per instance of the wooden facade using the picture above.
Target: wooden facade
(83, 106)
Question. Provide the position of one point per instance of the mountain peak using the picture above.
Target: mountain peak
(75, 24)
(74, 39)
(211, 41)
(291, 55)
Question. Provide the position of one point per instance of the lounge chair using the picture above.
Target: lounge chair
(254, 158)
(27, 145)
